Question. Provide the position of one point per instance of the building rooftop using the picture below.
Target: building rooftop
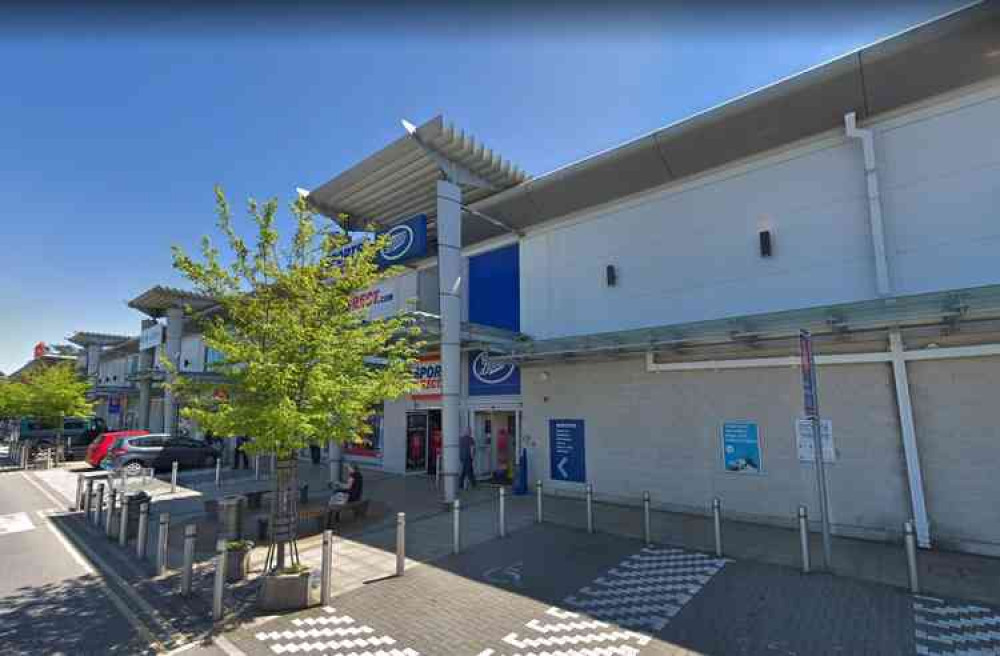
(83, 338)
(155, 301)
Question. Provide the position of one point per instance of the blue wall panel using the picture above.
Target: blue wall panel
(494, 294)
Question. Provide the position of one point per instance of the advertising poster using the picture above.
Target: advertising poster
(427, 373)
(807, 444)
(741, 447)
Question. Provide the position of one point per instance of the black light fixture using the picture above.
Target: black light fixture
(766, 247)
(611, 275)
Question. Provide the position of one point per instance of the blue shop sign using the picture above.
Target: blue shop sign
(489, 377)
(741, 447)
(407, 241)
(567, 450)
(114, 405)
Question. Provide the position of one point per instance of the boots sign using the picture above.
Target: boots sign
(490, 377)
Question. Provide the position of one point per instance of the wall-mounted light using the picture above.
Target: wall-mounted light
(543, 376)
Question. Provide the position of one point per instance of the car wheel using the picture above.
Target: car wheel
(133, 468)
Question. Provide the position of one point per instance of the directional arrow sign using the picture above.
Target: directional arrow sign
(561, 466)
(567, 450)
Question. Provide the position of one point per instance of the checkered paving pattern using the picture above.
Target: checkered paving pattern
(645, 591)
(337, 635)
(955, 629)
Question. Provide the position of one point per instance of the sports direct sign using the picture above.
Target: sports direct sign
(407, 240)
(373, 298)
(427, 373)
(489, 376)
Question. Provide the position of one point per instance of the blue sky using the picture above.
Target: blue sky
(115, 126)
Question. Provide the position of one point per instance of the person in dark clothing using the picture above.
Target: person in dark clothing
(315, 452)
(466, 450)
(239, 454)
(345, 494)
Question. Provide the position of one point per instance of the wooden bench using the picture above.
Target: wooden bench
(357, 508)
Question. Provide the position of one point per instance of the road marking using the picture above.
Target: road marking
(15, 523)
(293, 641)
(944, 628)
(227, 646)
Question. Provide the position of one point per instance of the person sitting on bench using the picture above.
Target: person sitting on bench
(351, 492)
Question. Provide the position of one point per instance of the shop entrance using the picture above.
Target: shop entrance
(423, 440)
(496, 444)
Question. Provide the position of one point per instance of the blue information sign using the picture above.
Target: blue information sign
(567, 450)
(114, 405)
(741, 447)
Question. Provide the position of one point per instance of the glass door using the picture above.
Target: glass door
(416, 441)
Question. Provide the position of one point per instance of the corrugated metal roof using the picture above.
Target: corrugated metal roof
(83, 338)
(156, 300)
(939, 56)
(399, 181)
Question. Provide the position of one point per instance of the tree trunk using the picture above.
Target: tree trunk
(283, 521)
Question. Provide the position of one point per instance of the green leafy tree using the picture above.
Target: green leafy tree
(14, 398)
(55, 392)
(298, 360)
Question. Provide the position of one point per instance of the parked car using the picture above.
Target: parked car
(158, 451)
(98, 449)
(77, 434)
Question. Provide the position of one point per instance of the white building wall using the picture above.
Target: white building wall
(690, 252)
(192, 353)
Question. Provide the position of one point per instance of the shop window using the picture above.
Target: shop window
(212, 356)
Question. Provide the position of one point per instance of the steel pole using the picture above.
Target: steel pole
(590, 508)
(503, 511)
(88, 501)
(400, 543)
(79, 492)
(647, 530)
(326, 567)
(717, 522)
(256, 467)
(110, 517)
(143, 532)
(190, 538)
(910, 541)
(456, 514)
(538, 502)
(824, 504)
(804, 538)
(218, 472)
(173, 478)
(220, 580)
(161, 544)
(123, 522)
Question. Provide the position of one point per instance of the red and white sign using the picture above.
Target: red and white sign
(427, 373)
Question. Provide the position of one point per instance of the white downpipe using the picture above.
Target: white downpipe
(449, 226)
(910, 450)
(874, 202)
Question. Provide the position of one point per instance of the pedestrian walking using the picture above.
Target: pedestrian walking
(467, 450)
(239, 454)
(315, 452)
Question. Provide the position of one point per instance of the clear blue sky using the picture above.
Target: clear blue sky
(115, 126)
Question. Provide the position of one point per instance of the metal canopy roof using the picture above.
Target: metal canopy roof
(83, 338)
(920, 309)
(157, 300)
(399, 181)
(958, 49)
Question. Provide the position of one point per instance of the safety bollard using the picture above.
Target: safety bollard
(220, 580)
(437, 472)
(326, 567)
(143, 532)
(88, 501)
(538, 502)
(123, 521)
(109, 519)
(717, 521)
(124, 481)
(910, 541)
(79, 492)
(503, 511)
(173, 478)
(256, 467)
(99, 515)
(647, 530)
(190, 537)
(456, 514)
(590, 508)
(218, 472)
(804, 538)
(161, 544)
(400, 543)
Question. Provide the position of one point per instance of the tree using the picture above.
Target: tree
(55, 392)
(13, 399)
(297, 360)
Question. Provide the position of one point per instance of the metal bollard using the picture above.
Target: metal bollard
(173, 478)
(190, 537)
(109, 519)
(143, 533)
(647, 530)
(400, 543)
(910, 541)
(123, 522)
(326, 570)
(161, 544)
(456, 514)
(218, 472)
(123, 477)
(717, 521)
(437, 472)
(99, 515)
(804, 538)
(538, 502)
(590, 508)
(503, 511)
(256, 468)
(79, 492)
(87, 500)
(220, 580)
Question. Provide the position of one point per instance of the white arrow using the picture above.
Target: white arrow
(561, 466)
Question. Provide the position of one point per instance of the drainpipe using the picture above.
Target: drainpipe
(874, 202)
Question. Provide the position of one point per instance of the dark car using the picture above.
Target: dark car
(77, 433)
(158, 451)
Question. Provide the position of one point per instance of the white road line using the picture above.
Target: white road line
(77, 556)
(227, 646)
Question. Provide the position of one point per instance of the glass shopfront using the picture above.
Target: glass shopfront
(423, 440)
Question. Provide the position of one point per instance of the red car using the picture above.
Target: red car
(98, 449)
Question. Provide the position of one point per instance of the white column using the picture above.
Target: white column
(175, 328)
(449, 238)
(914, 474)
